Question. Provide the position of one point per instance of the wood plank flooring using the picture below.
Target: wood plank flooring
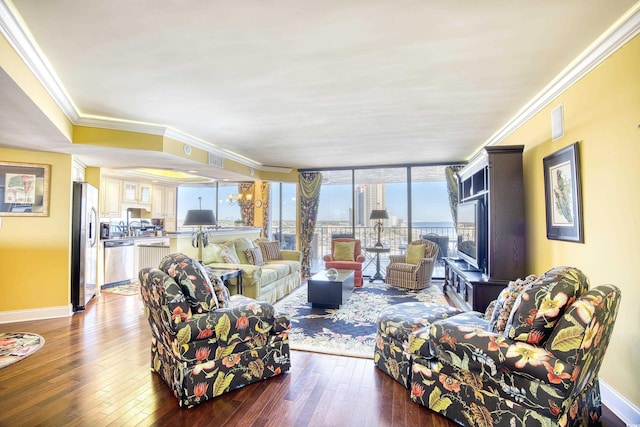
(94, 371)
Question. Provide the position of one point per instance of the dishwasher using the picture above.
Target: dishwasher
(119, 259)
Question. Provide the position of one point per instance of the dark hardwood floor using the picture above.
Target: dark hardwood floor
(94, 371)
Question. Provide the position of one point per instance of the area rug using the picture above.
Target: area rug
(351, 329)
(128, 289)
(15, 346)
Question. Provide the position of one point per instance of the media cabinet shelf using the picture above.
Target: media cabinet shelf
(494, 177)
(467, 288)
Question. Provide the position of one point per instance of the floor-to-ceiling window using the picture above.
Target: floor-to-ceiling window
(283, 213)
(415, 199)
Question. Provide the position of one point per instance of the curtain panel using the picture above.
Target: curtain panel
(310, 183)
(452, 189)
(265, 198)
(246, 205)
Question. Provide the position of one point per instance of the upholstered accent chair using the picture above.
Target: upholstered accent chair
(413, 270)
(346, 254)
(541, 369)
(203, 342)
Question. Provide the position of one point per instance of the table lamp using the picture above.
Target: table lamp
(379, 214)
(200, 217)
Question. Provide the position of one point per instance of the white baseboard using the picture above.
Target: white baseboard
(619, 405)
(35, 314)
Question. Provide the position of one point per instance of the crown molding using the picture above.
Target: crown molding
(623, 30)
(20, 41)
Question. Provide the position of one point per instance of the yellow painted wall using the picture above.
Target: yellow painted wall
(602, 112)
(35, 252)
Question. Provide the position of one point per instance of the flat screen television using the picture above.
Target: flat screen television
(471, 233)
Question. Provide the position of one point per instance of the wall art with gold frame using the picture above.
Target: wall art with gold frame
(24, 189)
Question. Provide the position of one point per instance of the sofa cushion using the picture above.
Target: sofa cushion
(271, 250)
(543, 302)
(254, 256)
(343, 251)
(504, 303)
(229, 256)
(281, 269)
(415, 253)
(241, 244)
(194, 281)
(212, 253)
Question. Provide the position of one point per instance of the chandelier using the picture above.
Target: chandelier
(237, 198)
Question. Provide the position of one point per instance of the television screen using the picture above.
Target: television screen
(467, 231)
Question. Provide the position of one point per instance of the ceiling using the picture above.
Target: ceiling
(297, 84)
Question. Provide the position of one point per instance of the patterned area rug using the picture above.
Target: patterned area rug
(351, 329)
(129, 289)
(15, 346)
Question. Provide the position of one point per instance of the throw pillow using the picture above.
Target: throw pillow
(271, 250)
(505, 301)
(542, 303)
(229, 256)
(221, 291)
(415, 253)
(343, 251)
(254, 256)
(193, 280)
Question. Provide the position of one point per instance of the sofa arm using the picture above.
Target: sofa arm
(291, 255)
(327, 258)
(230, 325)
(250, 273)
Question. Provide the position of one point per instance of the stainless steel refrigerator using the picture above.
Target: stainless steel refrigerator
(84, 246)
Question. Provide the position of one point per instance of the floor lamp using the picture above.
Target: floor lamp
(378, 214)
(200, 217)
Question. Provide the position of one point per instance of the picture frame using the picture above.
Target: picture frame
(24, 189)
(563, 195)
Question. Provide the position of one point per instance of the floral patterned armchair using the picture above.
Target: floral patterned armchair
(541, 370)
(203, 342)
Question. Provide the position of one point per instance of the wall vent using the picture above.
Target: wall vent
(215, 160)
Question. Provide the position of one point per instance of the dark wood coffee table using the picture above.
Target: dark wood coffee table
(323, 292)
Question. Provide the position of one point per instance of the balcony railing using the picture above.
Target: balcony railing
(395, 238)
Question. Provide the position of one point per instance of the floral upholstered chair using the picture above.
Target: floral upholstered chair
(414, 269)
(203, 342)
(542, 369)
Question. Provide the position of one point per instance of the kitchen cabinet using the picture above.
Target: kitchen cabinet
(136, 193)
(110, 191)
(163, 205)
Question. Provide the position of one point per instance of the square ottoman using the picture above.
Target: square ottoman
(394, 324)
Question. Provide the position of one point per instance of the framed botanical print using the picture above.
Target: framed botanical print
(563, 195)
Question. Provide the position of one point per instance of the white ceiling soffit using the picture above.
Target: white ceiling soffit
(620, 32)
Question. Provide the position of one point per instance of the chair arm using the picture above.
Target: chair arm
(397, 259)
(228, 326)
(462, 341)
(360, 258)
(291, 255)
(328, 258)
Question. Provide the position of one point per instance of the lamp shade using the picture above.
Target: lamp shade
(379, 214)
(200, 217)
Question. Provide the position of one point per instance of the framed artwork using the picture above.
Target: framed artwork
(24, 189)
(563, 195)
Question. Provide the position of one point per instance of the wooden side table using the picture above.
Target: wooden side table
(226, 274)
(377, 251)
